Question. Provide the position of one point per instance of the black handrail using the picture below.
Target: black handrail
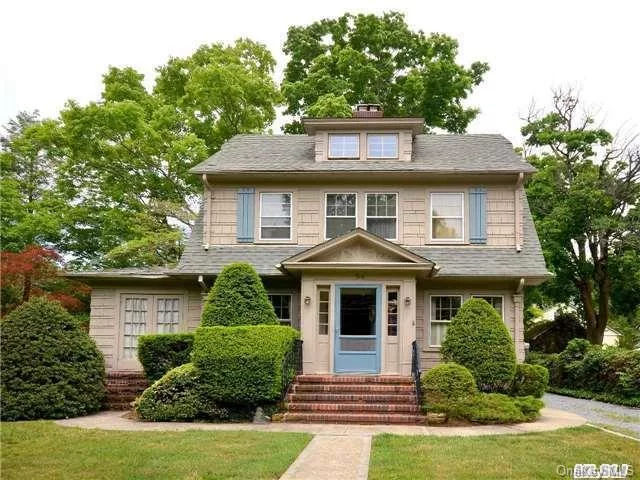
(415, 368)
(291, 366)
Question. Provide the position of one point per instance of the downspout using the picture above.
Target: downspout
(202, 284)
(518, 212)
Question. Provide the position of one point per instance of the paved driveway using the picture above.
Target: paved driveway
(599, 413)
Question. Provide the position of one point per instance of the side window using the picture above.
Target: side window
(282, 306)
(443, 309)
(275, 216)
(323, 310)
(340, 214)
(382, 214)
(495, 301)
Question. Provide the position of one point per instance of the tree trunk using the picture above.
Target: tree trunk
(590, 315)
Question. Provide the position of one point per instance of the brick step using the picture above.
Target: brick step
(118, 405)
(121, 398)
(355, 379)
(351, 397)
(353, 388)
(352, 407)
(361, 418)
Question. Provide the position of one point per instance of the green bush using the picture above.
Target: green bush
(50, 368)
(243, 365)
(530, 380)
(553, 336)
(478, 339)
(445, 384)
(491, 408)
(160, 353)
(178, 396)
(238, 298)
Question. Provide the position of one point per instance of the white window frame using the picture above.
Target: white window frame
(431, 320)
(345, 134)
(367, 216)
(384, 134)
(284, 321)
(355, 217)
(275, 240)
(431, 217)
(480, 295)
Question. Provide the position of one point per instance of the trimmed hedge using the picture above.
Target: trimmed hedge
(530, 380)
(243, 365)
(238, 298)
(494, 408)
(478, 339)
(160, 353)
(50, 368)
(583, 370)
(445, 384)
(178, 396)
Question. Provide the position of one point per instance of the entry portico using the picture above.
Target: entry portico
(358, 312)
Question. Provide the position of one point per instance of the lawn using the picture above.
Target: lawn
(42, 449)
(530, 456)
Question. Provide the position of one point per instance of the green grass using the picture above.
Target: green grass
(44, 450)
(530, 456)
(615, 428)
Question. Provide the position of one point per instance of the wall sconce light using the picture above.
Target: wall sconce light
(307, 300)
(407, 301)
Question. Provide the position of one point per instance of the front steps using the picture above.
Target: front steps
(123, 388)
(360, 399)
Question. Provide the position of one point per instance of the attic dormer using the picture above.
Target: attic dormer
(367, 136)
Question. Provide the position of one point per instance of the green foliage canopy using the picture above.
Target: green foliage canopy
(378, 59)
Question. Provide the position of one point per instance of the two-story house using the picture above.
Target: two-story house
(367, 233)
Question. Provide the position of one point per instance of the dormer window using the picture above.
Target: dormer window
(344, 145)
(382, 145)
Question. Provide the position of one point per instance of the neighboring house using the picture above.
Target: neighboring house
(610, 337)
(368, 235)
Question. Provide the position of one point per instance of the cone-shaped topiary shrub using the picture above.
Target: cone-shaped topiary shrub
(479, 340)
(238, 298)
(446, 384)
(50, 368)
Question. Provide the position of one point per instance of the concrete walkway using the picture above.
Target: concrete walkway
(331, 457)
(550, 419)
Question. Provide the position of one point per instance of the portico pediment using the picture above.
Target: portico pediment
(357, 250)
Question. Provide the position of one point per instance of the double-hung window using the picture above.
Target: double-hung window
(282, 306)
(382, 214)
(275, 216)
(495, 301)
(344, 145)
(340, 214)
(382, 145)
(447, 216)
(443, 309)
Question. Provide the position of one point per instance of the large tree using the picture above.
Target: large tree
(583, 199)
(378, 59)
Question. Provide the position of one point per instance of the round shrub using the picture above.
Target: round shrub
(488, 408)
(50, 368)
(530, 380)
(237, 298)
(177, 396)
(479, 340)
(445, 384)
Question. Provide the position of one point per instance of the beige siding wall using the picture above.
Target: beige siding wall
(106, 319)
(512, 308)
(309, 212)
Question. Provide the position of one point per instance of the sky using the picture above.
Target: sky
(53, 51)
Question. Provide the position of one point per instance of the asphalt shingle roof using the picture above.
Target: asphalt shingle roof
(431, 153)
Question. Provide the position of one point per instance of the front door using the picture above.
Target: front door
(357, 329)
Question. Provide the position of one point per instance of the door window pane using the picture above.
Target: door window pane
(275, 216)
(168, 314)
(135, 324)
(392, 313)
(340, 214)
(357, 311)
(382, 145)
(382, 214)
(323, 310)
(344, 145)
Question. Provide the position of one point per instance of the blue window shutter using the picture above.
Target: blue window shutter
(246, 207)
(478, 215)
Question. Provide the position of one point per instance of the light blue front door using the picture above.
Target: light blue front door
(357, 328)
